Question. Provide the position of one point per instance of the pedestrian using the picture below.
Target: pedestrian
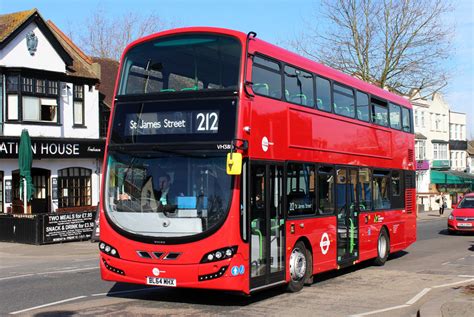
(442, 205)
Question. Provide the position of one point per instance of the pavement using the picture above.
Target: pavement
(458, 301)
(433, 214)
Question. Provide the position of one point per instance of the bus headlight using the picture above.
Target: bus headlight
(219, 254)
(108, 249)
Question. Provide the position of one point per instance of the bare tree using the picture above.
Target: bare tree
(395, 44)
(105, 36)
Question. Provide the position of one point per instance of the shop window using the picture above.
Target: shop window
(74, 187)
(27, 84)
(104, 119)
(12, 97)
(266, 77)
(78, 113)
(40, 86)
(52, 87)
(326, 190)
(381, 184)
(39, 109)
(298, 86)
(300, 189)
(12, 83)
(12, 107)
(31, 99)
(1, 192)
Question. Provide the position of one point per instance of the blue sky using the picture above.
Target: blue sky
(276, 21)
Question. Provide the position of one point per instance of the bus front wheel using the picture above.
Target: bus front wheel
(299, 267)
(383, 248)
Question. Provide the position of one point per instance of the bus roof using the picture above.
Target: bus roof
(289, 57)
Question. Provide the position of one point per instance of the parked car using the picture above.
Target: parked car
(461, 218)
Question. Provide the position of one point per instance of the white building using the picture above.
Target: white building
(441, 152)
(48, 86)
(457, 141)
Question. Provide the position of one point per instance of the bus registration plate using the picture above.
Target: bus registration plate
(160, 281)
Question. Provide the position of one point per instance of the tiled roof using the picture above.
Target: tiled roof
(82, 65)
(12, 21)
(108, 73)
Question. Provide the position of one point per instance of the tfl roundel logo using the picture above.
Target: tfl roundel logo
(325, 243)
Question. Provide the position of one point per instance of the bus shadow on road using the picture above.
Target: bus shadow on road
(222, 298)
(190, 296)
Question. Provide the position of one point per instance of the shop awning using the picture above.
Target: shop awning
(451, 177)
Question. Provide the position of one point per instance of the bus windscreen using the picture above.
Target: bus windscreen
(181, 63)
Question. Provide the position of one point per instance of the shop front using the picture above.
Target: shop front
(65, 173)
(453, 183)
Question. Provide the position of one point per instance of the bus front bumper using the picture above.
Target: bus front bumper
(230, 274)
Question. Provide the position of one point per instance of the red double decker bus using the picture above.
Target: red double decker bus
(234, 164)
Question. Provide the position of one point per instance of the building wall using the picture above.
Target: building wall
(16, 54)
(15, 57)
(434, 120)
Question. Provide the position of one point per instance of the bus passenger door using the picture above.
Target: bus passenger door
(347, 216)
(267, 227)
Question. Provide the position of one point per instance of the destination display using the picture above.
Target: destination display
(174, 121)
(68, 227)
(183, 122)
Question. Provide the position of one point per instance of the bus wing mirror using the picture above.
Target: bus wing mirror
(234, 164)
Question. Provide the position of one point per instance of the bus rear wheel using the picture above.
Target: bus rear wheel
(383, 248)
(299, 267)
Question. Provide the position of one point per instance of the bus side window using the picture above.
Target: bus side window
(266, 78)
(323, 94)
(300, 189)
(299, 85)
(395, 116)
(344, 99)
(326, 190)
(397, 190)
(406, 120)
(379, 114)
(365, 189)
(362, 106)
(381, 185)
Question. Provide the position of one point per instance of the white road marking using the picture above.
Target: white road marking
(469, 276)
(452, 284)
(50, 272)
(418, 296)
(444, 263)
(46, 305)
(460, 259)
(16, 276)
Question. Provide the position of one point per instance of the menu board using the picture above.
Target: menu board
(68, 226)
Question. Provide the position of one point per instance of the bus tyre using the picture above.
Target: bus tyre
(298, 267)
(383, 248)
